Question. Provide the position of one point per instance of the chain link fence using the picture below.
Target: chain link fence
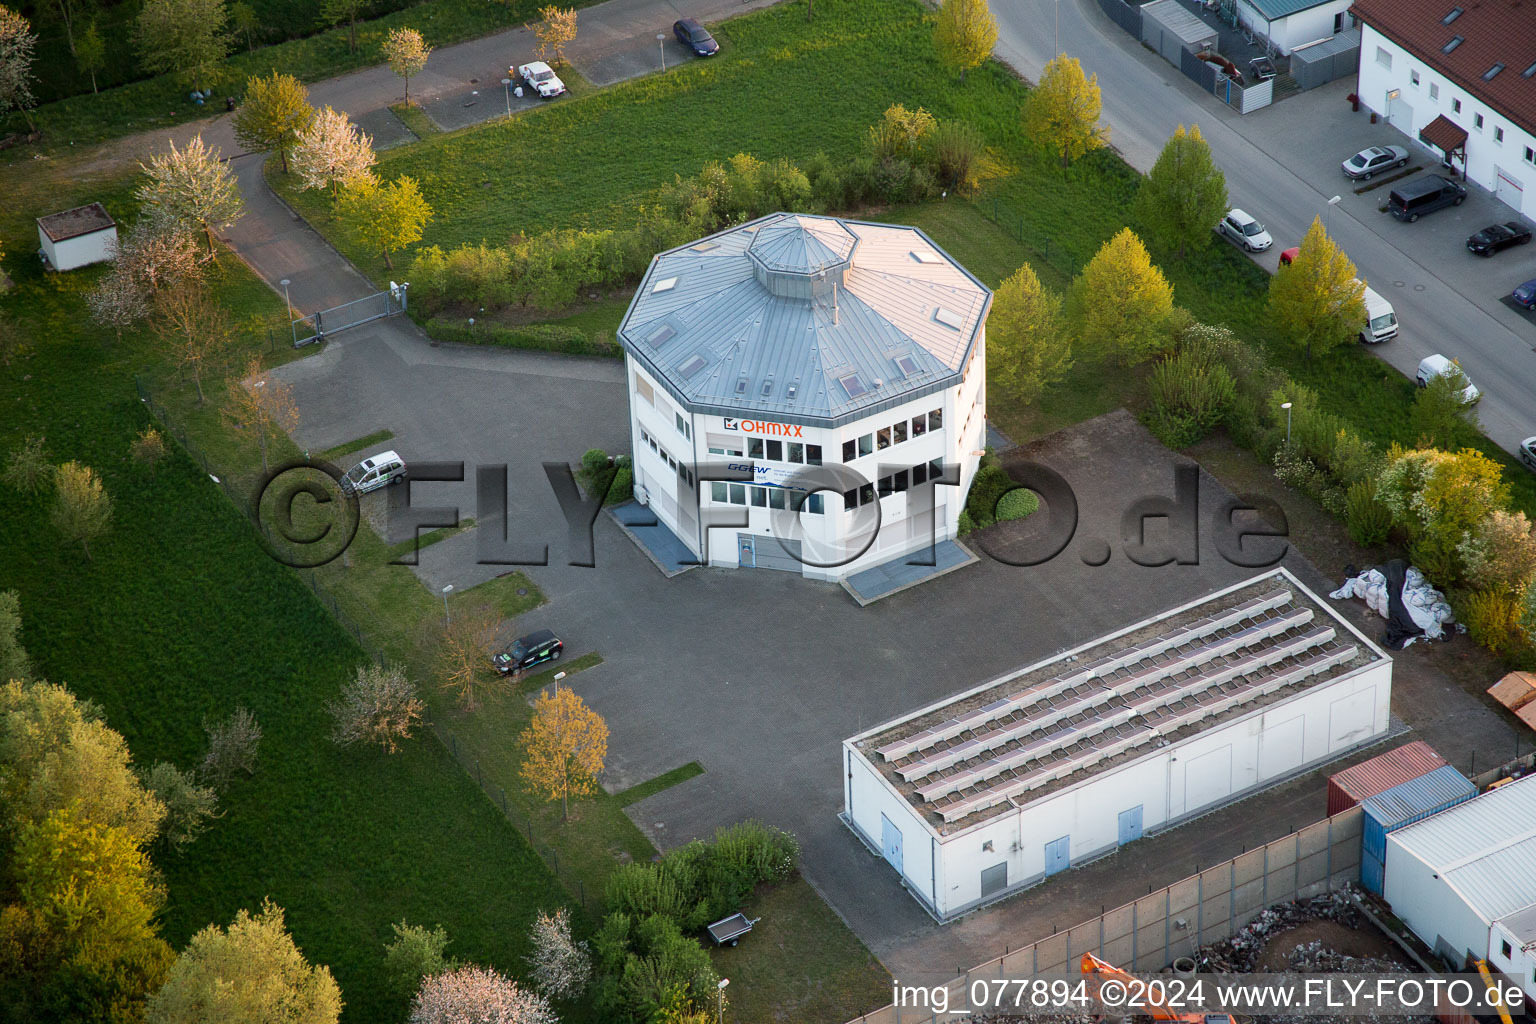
(467, 758)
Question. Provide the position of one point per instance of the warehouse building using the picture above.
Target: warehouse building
(1465, 881)
(807, 393)
(1064, 760)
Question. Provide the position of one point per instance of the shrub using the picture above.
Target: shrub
(1368, 520)
(785, 187)
(1491, 619)
(664, 962)
(1190, 396)
(956, 150)
(987, 489)
(900, 134)
(148, 447)
(416, 953)
(892, 180)
(671, 888)
(27, 468)
(1019, 503)
(188, 806)
(1354, 459)
(967, 524)
(549, 337)
(754, 852)
(1294, 469)
(232, 746)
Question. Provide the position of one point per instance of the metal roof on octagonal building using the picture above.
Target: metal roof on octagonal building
(816, 320)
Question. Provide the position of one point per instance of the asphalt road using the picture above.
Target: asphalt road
(1271, 173)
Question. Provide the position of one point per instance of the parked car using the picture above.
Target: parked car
(538, 77)
(696, 37)
(1369, 162)
(527, 651)
(1245, 231)
(1424, 194)
(1288, 255)
(1525, 295)
(1528, 452)
(1437, 365)
(374, 472)
(1499, 236)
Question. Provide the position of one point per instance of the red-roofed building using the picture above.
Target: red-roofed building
(1459, 77)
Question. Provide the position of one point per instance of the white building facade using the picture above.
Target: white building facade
(1465, 881)
(1292, 23)
(1048, 796)
(807, 394)
(77, 238)
(1483, 86)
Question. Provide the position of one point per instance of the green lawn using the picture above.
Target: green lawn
(181, 616)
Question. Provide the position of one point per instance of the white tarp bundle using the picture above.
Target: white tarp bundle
(1424, 604)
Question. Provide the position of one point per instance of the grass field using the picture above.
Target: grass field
(181, 615)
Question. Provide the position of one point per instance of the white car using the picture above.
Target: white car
(538, 77)
(1245, 231)
(374, 472)
(1437, 365)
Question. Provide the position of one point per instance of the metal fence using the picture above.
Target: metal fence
(1148, 933)
(467, 758)
(318, 325)
(1123, 14)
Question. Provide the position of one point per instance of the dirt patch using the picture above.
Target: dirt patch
(1364, 943)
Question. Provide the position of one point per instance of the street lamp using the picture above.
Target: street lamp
(661, 44)
(446, 620)
(1287, 407)
(720, 1006)
(1331, 204)
(1057, 52)
(292, 327)
(508, 83)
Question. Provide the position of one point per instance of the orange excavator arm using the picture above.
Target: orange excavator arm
(1103, 971)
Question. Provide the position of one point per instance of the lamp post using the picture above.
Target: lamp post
(1057, 51)
(1331, 204)
(1287, 407)
(508, 83)
(446, 620)
(720, 1005)
(661, 44)
(292, 327)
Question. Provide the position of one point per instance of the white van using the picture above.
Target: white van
(374, 472)
(1434, 366)
(1380, 319)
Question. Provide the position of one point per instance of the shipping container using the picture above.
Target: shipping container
(1381, 773)
(1402, 805)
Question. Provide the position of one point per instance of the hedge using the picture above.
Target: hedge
(546, 337)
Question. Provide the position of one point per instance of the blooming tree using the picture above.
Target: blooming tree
(560, 964)
(406, 52)
(379, 705)
(16, 43)
(331, 151)
(191, 188)
(477, 995)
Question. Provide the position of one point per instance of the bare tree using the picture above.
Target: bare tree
(379, 705)
(464, 653)
(117, 302)
(192, 187)
(232, 746)
(195, 327)
(262, 404)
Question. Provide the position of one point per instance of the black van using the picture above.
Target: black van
(1424, 195)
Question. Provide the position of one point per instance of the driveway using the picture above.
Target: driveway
(760, 675)
(1281, 165)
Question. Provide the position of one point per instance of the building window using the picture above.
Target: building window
(1498, 135)
(883, 438)
(796, 452)
(850, 500)
(848, 450)
(754, 447)
(738, 494)
(1413, 76)
(760, 497)
(1477, 121)
(936, 469)
(866, 494)
(899, 432)
(812, 504)
(936, 420)
(1530, 155)
(717, 490)
(644, 390)
(919, 474)
(683, 427)
(1455, 106)
(776, 498)
(1504, 948)
(919, 426)
(901, 480)
(813, 455)
(776, 451)
(1434, 90)
(866, 444)
(1383, 57)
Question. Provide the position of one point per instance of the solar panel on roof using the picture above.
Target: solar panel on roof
(852, 385)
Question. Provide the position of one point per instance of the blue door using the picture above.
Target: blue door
(1058, 855)
(748, 546)
(890, 843)
(1130, 825)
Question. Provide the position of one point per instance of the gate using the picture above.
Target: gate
(317, 326)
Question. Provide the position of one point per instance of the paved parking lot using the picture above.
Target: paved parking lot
(759, 675)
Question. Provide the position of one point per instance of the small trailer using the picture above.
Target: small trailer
(729, 930)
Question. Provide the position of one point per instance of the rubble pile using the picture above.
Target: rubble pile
(1315, 958)
(1240, 953)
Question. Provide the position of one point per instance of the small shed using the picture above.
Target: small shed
(1352, 785)
(78, 237)
(1400, 806)
(1169, 29)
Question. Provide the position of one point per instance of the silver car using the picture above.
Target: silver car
(1373, 161)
